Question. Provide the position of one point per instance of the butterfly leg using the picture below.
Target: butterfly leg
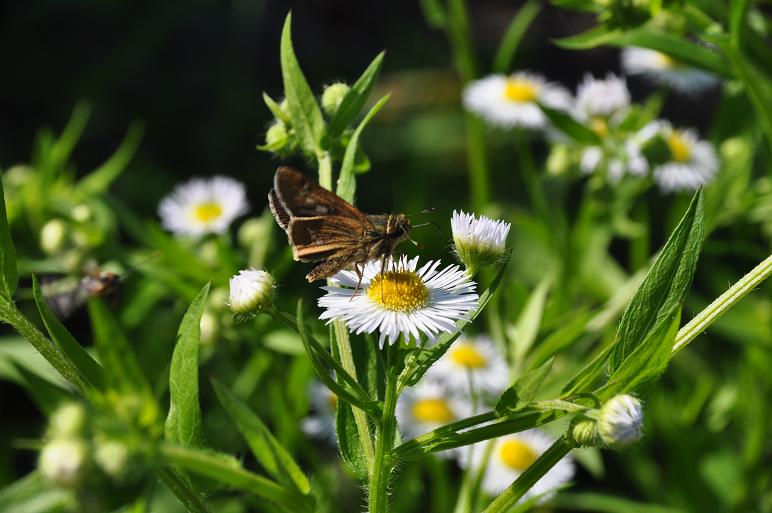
(359, 281)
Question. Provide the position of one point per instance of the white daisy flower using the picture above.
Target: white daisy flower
(601, 98)
(621, 421)
(403, 300)
(321, 423)
(250, 290)
(427, 406)
(691, 162)
(203, 205)
(478, 241)
(510, 455)
(662, 69)
(474, 361)
(510, 101)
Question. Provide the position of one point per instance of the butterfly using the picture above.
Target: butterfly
(66, 295)
(323, 227)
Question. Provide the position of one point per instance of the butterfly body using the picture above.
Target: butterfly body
(322, 226)
(65, 295)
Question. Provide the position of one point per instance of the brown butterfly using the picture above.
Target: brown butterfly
(321, 226)
(65, 295)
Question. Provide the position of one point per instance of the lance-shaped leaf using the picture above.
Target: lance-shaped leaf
(99, 180)
(569, 126)
(502, 62)
(183, 423)
(267, 450)
(304, 111)
(523, 391)
(8, 273)
(354, 101)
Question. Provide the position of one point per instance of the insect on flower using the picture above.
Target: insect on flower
(322, 226)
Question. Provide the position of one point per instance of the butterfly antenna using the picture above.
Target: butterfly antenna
(135, 267)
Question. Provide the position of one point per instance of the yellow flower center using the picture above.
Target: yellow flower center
(520, 91)
(332, 401)
(680, 149)
(402, 291)
(466, 355)
(206, 212)
(667, 62)
(432, 410)
(517, 454)
(599, 126)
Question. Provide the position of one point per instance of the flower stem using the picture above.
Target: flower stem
(384, 443)
(324, 161)
(532, 474)
(724, 302)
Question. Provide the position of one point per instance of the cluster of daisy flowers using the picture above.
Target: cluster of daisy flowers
(676, 159)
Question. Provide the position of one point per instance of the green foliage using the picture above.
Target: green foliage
(8, 274)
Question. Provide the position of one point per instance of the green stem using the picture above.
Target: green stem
(324, 162)
(383, 465)
(530, 175)
(509, 497)
(45, 346)
(723, 303)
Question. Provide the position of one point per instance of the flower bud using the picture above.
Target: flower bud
(478, 242)
(558, 160)
(250, 290)
(254, 231)
(210, 326)
(62, 461)
(276, 137)
(584, 431)
(111, 456)
(621, 421)
(53, 236)
(81, 213)
(69, 421)
(333, 96)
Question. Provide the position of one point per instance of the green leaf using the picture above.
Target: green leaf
(100, 179)
(34, 494)
(737, 12)
(182, 489)
(665, 284)
(354, 101)
(346, 181)
(569, 126)
(602, 503)
(596, 36)
(434, 13)
(349, 446)
(564, 336)
(647, 362)
(183, 423)
(502, 62)
(271, 455)
(304, 111)
(424, 359)
(121, 369)
(276, 109)
(225, 469)
(45, 395)
(8, 274)
(529, 321)
(89, 370)
(522, 392)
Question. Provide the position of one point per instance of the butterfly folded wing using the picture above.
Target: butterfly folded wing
(299, 196)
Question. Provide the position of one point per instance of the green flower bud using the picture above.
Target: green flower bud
(479, 242)
(210, 327)
(81, 213)
(253, 231)
(276, 137)
(69, 421)
(558, 160)
(584, 431)
(53, 236)
(333, 96)
(112, 457)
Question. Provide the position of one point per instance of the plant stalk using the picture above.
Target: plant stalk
(384, 443)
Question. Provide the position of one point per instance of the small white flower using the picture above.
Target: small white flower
(663, 69)
(403, 300)
(691, 162)
(62, 460)
(510, 455)
(621, 421)
(427, 406)
(601, 98)
(620, 160)
(250, 290)
(475, 362)
(321, 423)
(112, 457)
(203, 205)
(510, 101)
(68, 421)
(478, 241)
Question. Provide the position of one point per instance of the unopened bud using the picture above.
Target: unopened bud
(621, 421)
(333, 96)
(53, 236)
(62, 461)
(250, 290)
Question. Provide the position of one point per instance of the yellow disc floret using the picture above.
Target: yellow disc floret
(207, 212)
(435, 411)
(517, 454)
(401, 291)
(520, 91)
(599, 126)
(680, 149)
(466, 355)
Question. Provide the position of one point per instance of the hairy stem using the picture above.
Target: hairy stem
(383, 465)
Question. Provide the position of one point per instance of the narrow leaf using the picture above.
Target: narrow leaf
(183, 423)
(276, 109)
(33, 493)
(569, 126)
(529, 321)
(665, 284)
(182, 489)
(100, 179)
(269, 452)
(89, 369)
(349, 446)
(502, 62)
(346, 181)
(8, 274)
(45, 394)
(354, 101)
(304, 111)
(523, 391)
